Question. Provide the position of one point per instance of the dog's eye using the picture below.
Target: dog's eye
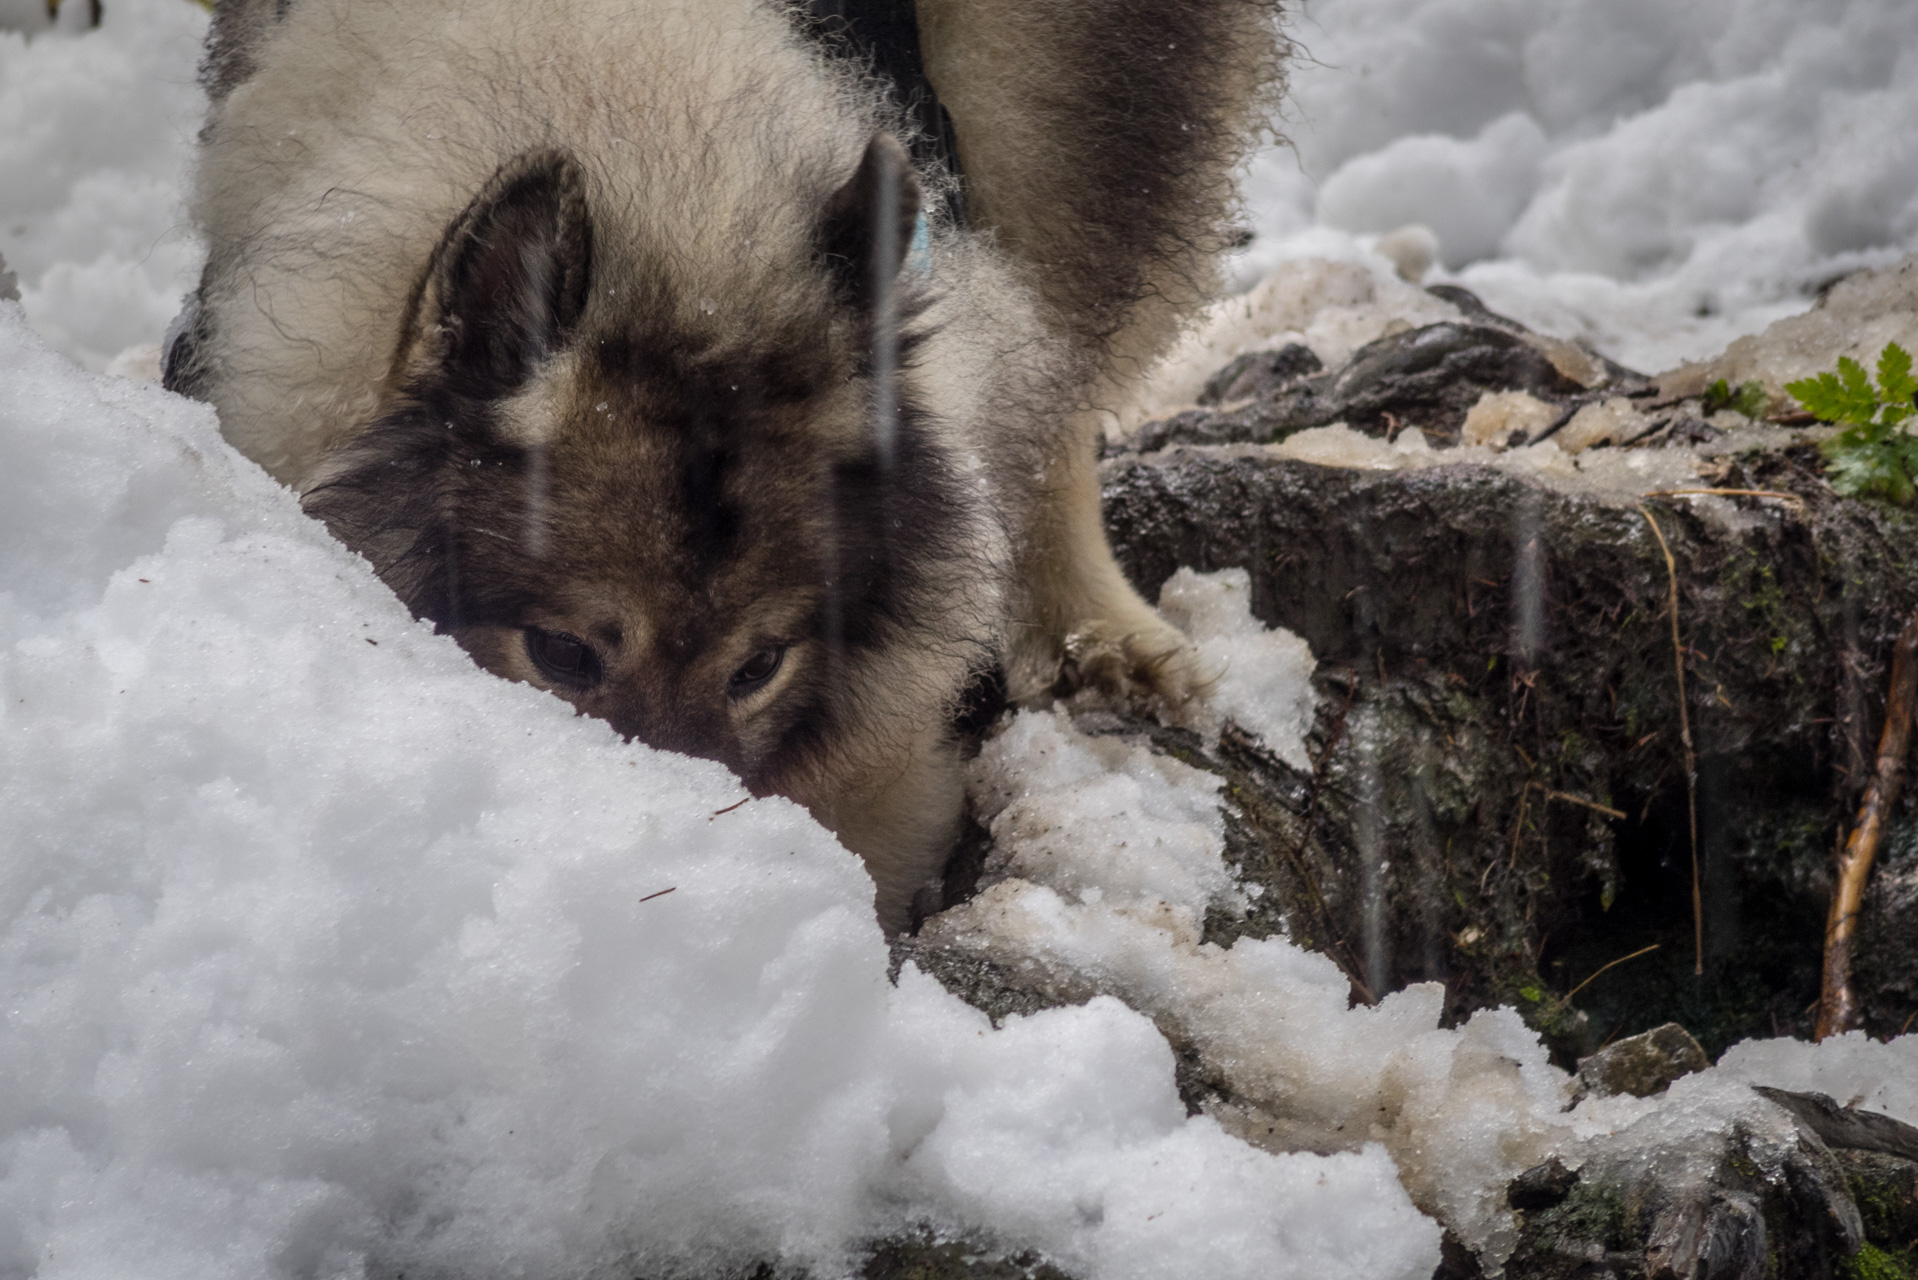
(563, 659)
(757, 670)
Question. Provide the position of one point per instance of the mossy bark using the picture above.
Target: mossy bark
(1498, 672)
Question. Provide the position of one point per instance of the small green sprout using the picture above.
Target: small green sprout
(1749, 398)
(1874, 455)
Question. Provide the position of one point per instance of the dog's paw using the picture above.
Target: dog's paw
(1150, 668)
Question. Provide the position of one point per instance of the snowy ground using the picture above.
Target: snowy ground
(1657, 178)
(323, 953)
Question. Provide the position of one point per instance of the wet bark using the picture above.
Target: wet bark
(1503, 721)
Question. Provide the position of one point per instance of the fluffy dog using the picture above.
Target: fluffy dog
(599, 329)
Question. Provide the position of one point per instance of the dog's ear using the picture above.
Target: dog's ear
(867, 225)
(508, 281)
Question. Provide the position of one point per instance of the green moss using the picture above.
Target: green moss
(1764, 599)
(1590, 1214)
(925, 1257)
(1873, 1263)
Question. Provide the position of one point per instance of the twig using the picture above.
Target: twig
(1518, 828)
(662, 893)
(1837, 1003)
(1728, 493)
(1567, 997)
(1569, 798)
(1691, 758)
(729, 808)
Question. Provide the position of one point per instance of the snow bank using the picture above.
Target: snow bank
(96, 132)
(321, 949)
(1655, 178)
(1461, 1112)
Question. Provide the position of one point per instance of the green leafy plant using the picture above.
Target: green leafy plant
(1874, 455)
(1748, 398)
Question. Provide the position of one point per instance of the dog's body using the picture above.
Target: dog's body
(587, 325)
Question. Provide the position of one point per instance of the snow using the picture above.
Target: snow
(322, 950)
(1261, 677)
(1656, 178)
(323, 953)
(1461, 1112)
(96, 134)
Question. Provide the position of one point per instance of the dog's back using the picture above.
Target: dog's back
(363, 128)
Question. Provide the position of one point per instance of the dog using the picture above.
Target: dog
(730, 370)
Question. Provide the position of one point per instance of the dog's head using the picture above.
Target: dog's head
(698, 519)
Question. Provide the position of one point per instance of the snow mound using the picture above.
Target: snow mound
(1461, 1112)
(1657, 179)
(96, 135)
(322, 951)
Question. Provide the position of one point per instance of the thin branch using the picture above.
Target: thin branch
(1593, 805)
(1691, 757)
(1726, 493)
(1567, 997)
(1838, 1010)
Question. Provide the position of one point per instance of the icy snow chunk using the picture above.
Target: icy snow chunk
(1498, 414)
(1262, 678)
(1612, 421)
(1006, 1134)
(1853, 1069)
(1101, 816)
(1338, 445)
(1411, 250)
(1617, 476)
(1461, 1112)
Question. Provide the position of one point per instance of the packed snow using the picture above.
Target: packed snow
(1655, 178)
(325, 954)
(322, 951)
(96, 134)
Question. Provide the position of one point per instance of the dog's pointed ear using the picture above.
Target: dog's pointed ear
(508, 281)
(867, 225)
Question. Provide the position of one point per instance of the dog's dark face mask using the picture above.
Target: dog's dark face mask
(689, 528)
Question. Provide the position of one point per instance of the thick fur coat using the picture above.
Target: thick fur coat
(593, 326)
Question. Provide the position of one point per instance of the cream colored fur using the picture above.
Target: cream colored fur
(1002, 68)
(330, 175)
